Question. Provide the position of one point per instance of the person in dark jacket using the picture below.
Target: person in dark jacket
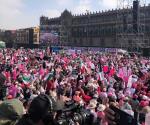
(3, 88)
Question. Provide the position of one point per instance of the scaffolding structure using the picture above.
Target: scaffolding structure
(126, 36)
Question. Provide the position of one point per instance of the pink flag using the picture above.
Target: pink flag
(41, 55)
(7, 75)
(112, 72)
(42, 72)
(105, 69)
(74, 55)
(13, 91)
(21, 67)
(14, 74)
(121, 73)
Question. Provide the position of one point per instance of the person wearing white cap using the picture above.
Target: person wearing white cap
(92, 107)
(101, 107)
(145, 97)
(101, 114)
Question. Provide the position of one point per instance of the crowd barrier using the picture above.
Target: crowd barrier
(84, 49)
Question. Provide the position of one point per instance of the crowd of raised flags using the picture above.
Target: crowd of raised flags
(91, 78)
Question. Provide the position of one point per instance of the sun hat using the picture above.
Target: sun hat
(126, 98)
(145, 97)
(92, 105)
(146, 109)
(96, 96)
(101, 107)
(93, 101)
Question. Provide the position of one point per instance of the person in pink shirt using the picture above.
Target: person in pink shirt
(13, 90)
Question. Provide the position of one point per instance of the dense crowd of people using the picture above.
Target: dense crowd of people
(93, 80)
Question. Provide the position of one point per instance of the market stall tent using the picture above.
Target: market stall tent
(2, 44)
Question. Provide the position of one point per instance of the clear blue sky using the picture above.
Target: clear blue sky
(25, 13)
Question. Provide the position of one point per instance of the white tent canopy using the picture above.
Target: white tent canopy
(2, 44)
(122, 51)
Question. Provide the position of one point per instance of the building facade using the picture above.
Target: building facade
(2, 34)
(36, 35)
(97, 29)
(8, 36)
(49, 30)
(24, 37)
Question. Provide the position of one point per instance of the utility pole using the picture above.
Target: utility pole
(88, 26)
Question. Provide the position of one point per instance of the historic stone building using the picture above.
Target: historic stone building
(2, 34)
(36, 35)
(8, 36)
(24, 37)
(97, 29)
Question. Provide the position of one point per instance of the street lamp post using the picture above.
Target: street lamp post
(88, 14)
